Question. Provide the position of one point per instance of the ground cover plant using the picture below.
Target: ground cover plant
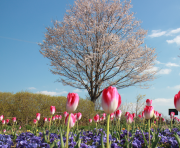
(101, 132)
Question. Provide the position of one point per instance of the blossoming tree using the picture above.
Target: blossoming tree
(99, 44)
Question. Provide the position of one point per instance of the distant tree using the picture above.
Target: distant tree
(140, 104)
(99, 44)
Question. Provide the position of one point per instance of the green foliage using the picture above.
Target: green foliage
(25, 105)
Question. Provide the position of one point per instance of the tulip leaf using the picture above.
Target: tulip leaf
(61, 137)
(102, 143)
(177, 138)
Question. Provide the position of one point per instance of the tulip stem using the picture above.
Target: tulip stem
(149, 132)
(67, 134)
(77, 124)
(108, 117)
(128, 135)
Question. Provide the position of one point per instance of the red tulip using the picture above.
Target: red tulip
(149, 102)
(134, 115)
(79, 115)
(148, 112)
(90, 120)
(3, 121)
(49, 119)
(14, 119)
(72, 120)
(7, 121)
(65, 114)
(139, 116)
(35, 121)
(129, 119)
(177, 101)
(1, 117)
(38, 116)
(45, 119)
(160, 115)
(72, 102)
(163, 119)
(96, 118)
(52, 110)
(110, 99)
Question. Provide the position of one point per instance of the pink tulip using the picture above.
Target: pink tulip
(103, 118)
(118, 114)
(111, 115)
(126, 114)
(4, 130)
(72, 102)
(111, 119)
(1, 117)
(139, 116)
(100, 119)
(52, 110)
(60, 117)
(14, 119)
(57, 117)
(157, 114)
(176, 118)
(45, 119)
(3, 121)
(129, 119)
(177, 101)
(65, 114)
(154, 122)
(104, 114)
(53, 118)
(110, 99)
(7, 121)
(20, 127)
(134, 115)
(75, 114)
(79, 115)
(119, 102)
(148, 112)
(90, 120)
(49, 119)
(163, 119)
(149, 102)
(96, 118)
(172, 114)
(34, 121)
(71, 121)
(38, 115)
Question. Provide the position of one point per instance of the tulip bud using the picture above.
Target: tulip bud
(71, 121)
(60, 117)
(90, 120)
(20, 127)
(149, 102)
(35, 121)
(134, 115)
(177, 101)
(38, 116)
(57, 116)
(53, 118)
(110, 99)
(49, 119)
(7, 121)
(3, 121)
(65, 114)
(79, 115)
(96, 118)
(14, 119)
(4, 130)
(52, 110)
(160, 115)
(45, 119)
(129, 119)
(1, 117)
(148, 112)
(139, 116)
(72, 102)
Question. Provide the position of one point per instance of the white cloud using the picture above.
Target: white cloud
(52, 93)
(77, 90)
(164, 71)
(174, 87)
(163, 102)
(174, 58)
(172, 64)
(179, 73)
(157, 33)
(151, 69)
(31, 88)
(85, 91)
(173, 31)
(175, 40)
(158, 62)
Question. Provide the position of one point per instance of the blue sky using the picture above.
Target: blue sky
(23, 68)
